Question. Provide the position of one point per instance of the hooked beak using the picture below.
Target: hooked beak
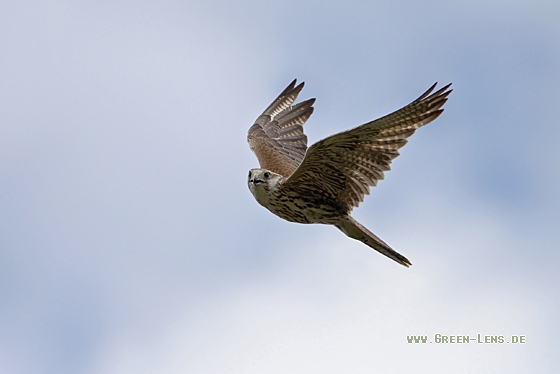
(255, 180)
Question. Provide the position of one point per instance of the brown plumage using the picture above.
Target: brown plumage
(324, 183)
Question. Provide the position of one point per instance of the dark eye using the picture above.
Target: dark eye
(266, 174)
(249, 173)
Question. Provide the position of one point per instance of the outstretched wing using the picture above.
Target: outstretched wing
(343, 166)
(277, 136)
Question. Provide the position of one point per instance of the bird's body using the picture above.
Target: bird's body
(324, 183)
(291, 205)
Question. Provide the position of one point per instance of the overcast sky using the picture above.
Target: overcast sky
(130, 243)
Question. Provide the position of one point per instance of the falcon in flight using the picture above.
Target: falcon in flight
(323, 183)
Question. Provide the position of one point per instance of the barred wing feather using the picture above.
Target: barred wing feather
(277, 137)
(344, 166)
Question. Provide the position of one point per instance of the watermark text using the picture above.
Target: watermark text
(466, 339)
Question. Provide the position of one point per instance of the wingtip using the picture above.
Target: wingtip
(444, 88)
(293, 88)
(293, 84)
(429, 94)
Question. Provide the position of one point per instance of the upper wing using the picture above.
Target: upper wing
(343, 166)
(277, 136)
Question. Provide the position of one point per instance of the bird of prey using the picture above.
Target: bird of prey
(323, 183)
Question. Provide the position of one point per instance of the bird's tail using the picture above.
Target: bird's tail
(355, 230)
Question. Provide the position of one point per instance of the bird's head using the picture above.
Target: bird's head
(261, 182)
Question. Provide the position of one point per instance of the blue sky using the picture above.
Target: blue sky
(130, 243)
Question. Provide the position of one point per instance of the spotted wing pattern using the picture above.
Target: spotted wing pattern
(343, 166)
(277, 137)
